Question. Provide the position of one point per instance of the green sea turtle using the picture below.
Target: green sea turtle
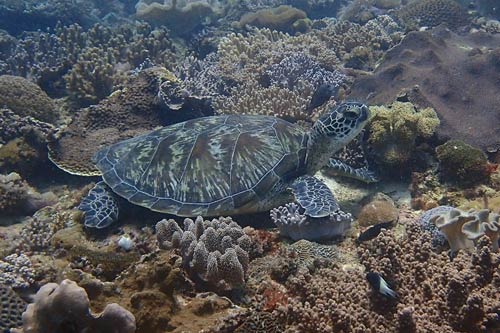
(224, 165)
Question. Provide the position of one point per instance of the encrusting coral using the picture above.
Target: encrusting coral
(215, 251)
(393, 131)
(65, 307)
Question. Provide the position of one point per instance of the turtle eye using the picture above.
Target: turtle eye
(350, 114)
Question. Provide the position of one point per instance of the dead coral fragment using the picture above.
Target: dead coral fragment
(215, 251)
(461, 163)
(56, 308)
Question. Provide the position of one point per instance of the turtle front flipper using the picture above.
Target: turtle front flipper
(340, 168)
(100, 207)
(314, 196)
(316, 216)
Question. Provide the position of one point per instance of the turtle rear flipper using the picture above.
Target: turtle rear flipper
(363, 174)
(100, 207)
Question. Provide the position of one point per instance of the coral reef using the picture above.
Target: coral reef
(11, 308)
(66, 307)
(58, 62)
(462, 164)
(393, 131)
(215, 251)
(182, 17)
(295, 225)
(431, 13)
(429, 69)
(128, 112)
(26, 99)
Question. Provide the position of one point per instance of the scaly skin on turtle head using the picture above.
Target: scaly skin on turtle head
(333, 131)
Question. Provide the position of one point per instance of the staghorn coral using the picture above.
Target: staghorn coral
(66, 307)
(11, 308)
(182, 16)
(431, 13)
(462, 164)
(17, 271)
(215, 251)
(25, 98)
(393, 131)
(128, 112)
(295, 225)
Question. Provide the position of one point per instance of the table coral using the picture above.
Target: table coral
(280, 18)
(215, 251)
(181, 16)
(393, 131)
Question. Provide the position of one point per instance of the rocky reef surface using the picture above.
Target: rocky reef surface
(78, 76)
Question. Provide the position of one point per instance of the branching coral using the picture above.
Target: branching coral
(394, 129)
(66, 307)
(215, 251)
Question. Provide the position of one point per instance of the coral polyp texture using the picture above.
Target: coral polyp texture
(66, 306)
(431, 13)
(215, 251)
(11, 308)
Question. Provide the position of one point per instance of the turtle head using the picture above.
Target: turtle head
(334, 130)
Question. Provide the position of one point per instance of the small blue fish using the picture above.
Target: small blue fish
(378, 283)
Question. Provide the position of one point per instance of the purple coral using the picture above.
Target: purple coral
(292, 223)
(215, 251)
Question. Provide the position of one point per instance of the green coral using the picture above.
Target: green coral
(461, 163)
(395, 128)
